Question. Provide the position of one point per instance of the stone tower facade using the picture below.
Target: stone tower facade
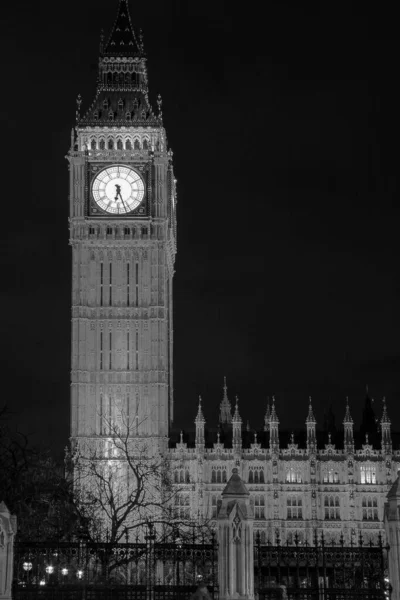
(123, 238)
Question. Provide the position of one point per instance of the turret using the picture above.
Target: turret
(200, 422)
(225, 409)
(348, 430)
(386, 438)
(274, 429)
(311, 433)
(237, 429)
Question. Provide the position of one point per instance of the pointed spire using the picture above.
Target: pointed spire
(311, 428)
(237, 429)
(225, 409)
(274, 416)
(348, 430)
(200, 417)
(310, 416)
(122, 40)
(347, 417)
(200, 422)
(274, 429)
(236, 417)
(385, 416)
(386, 437)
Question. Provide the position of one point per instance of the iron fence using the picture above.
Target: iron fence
(131, 571)
(321, 572)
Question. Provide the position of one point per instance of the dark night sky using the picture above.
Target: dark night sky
(283, 119)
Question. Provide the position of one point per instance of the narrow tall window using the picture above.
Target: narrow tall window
(101, 284)
(110, 351)
(101, 350)
(137, 283)
(101, 413)
(127, 351)
(137, 350)
(109, 415)
(127, 284)
(110, 286)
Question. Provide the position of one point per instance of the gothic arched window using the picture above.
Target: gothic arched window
(102, 144)
(128, 115)
(110, 144)
(145, 144)
(119, 144)
(93, 144)
(136, 145)
(128, 145)
(120, 104)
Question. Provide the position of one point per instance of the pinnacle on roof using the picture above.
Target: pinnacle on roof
(200, 417)
(310, 416)
(236, 417)
(347, 416)
(274, 416)
(385, 416)
(122, 38)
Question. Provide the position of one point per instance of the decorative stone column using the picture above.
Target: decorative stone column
(235, 542)
(8, 529)
(392, 528)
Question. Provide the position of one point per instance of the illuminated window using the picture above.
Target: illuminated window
(331, 508)
(294, 506)
(368, 474)
(214, 506)
(256, 475)
(127, 350)
(137, 283)
(110, 286)
(182, 506)
(182, 476)
(101, 284)
(331, 476)
(101, 350)
(218, 475)
(293, 475)
(259, 506)
(137, 350)
(370, 509)
(127, 283)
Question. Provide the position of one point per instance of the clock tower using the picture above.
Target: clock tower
(123, 238)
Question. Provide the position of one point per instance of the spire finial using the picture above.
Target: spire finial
(181, 437)
(218, 437)
(200, 416)
(292, 438)
(310, 416)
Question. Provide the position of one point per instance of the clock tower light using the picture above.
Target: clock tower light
(123, 238)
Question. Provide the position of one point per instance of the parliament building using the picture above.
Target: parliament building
(123, 234)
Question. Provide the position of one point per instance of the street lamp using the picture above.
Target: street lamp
(49, 569)
(79, 574)
(64, 571)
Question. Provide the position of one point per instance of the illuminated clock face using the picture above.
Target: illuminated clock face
(118, 189)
